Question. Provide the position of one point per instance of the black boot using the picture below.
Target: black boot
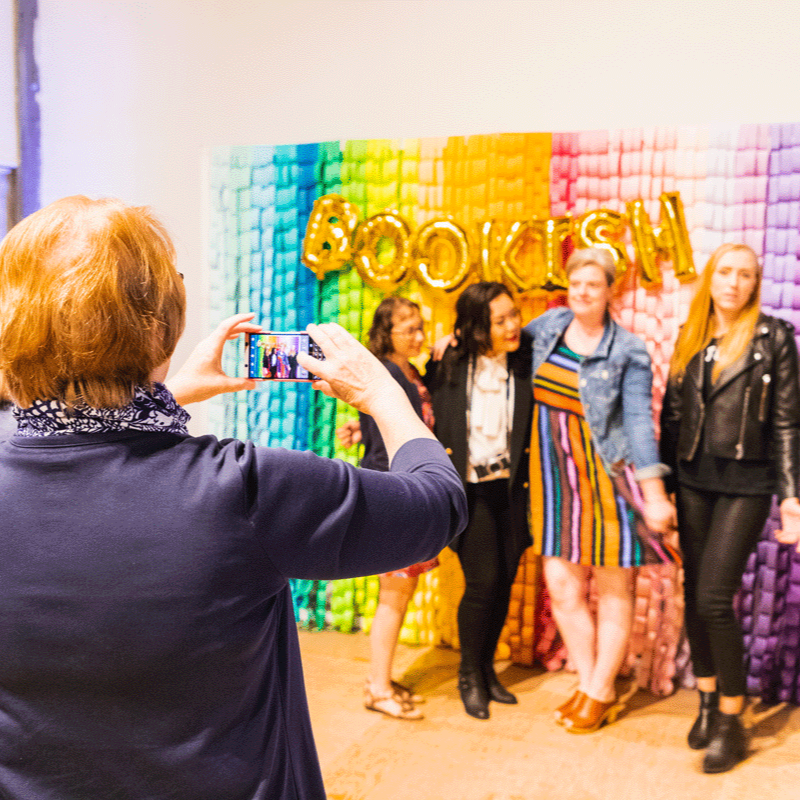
(728, 745)
(703, 728)
(474, 694)
(497, 691)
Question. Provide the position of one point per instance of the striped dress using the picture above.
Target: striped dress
(578, 511)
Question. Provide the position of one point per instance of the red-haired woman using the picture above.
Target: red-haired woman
(149, 647)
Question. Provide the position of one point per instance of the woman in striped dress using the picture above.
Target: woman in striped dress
(598, 504)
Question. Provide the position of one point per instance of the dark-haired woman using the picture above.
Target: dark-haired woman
(482, 402)
(395, 336)
(730, 428)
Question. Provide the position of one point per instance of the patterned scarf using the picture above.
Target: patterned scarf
(150, 410)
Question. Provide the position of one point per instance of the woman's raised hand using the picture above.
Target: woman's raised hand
(349, 434)
(352, 374)
(440, 345)
(790, 522)
(202, 376)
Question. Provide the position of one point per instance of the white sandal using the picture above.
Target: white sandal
(392, 704)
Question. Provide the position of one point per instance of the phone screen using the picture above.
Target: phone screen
(272, 355)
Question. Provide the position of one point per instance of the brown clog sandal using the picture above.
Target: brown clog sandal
(565, 709)
(589, 715)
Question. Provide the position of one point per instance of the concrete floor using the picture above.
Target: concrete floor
(519, 753)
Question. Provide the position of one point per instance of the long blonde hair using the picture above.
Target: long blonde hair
(701, 324)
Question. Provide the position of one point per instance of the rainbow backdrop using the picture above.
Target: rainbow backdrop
(737, 184)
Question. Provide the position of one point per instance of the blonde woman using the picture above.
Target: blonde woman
(731, 432)
(598, 503)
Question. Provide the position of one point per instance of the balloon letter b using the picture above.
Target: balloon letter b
(326, 246)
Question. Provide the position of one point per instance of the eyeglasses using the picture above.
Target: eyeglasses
(409, 333)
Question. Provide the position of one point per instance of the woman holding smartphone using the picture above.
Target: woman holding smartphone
(482, 401)
(396, 335)
(730, 429)
(147, 631)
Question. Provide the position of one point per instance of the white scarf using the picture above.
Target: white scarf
(491, 398)
(489, 390)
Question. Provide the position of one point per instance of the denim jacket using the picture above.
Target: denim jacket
(615, 388)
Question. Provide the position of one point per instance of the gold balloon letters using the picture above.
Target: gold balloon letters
(603, 228)
(533, 254)
(326, 246)
(670, 240)
(527, 254)
(441, 254)
(381, 249)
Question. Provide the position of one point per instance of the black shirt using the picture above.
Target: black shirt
(727, 475)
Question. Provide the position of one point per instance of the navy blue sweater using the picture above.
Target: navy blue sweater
(148, 648)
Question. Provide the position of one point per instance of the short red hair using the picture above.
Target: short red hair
(90, 302)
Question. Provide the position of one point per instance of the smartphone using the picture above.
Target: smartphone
(272, 355)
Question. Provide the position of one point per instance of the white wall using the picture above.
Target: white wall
(134, 90)
(8, 97)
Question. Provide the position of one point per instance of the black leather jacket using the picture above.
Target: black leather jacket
(752, 412)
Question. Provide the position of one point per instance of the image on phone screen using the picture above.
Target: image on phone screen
(272, 355)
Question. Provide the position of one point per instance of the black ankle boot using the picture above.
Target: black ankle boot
(497, 691)
(474, 694)
(728, 745)
(703, 728)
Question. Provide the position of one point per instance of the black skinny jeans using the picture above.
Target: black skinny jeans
(489, 561)
(717, 533)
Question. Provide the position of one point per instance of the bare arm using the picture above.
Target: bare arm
(790, 523)
(440, 346)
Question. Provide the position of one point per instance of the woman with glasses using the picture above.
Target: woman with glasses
(148, 638)
(396, 335)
